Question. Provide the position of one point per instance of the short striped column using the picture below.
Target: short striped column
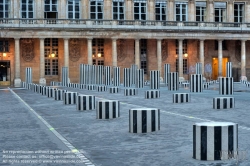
(51, 92)
(248, 84)
(59, 93)
(154, 79)
(52, 83)
(28, 75)
(70, 98)
(44, 90)
(107, 109)
(223, 102)
(173, 81)
(35, 89)
(229, 70)
(205, 85)
(133, 73)
(152, 94)
(215, 140)
(226, 85)
(99, 75)
(101, 88)
(116, 76)
(144, 120)
(196, 83)
(166, 71)
(24, 84)
(39, 89)
(91, 87)
(65, 76)
(140, 78)
(28, 86)
(130, 92)
(113, 90)
(198, 68)
(181, 98)
(85, 102)
(82, 86)
(107, 75)
(127, 78)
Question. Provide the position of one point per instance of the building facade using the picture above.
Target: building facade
(47, 35)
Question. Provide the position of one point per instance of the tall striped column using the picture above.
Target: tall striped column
(93, 74)
(28, 75)
(215, 140)
(65, 76)
(229, 70)
(82, 76)
(133, 73)
(99, 75)
(107, 75)
(196, 84)
(154, 79)
(226, 85)
(173, 81)
(140, 78)
(116, 76)
(166, 71)
(127, 79)
(87, 72)
(198, 68)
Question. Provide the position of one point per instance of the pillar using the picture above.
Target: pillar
(151, 10)
(66, 52)
(42, 80)
(247, 10)
(62, 6)
(15, 8)
(202, 56)
(137, 53)
(191, 11)
(220, 58)
(243, 58)
(210, 11)
(17, 81)
(107, 9)
(230, 11)
(159, 59)
(180, 58)
(114, 52)
(171, 10)
(85, 12)
(129, 10)
(89, 51)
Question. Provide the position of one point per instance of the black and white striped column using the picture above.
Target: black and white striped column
(173, 81)
(139, 78)
(83, 75)
(205, 85)
(154, 79)
(59, 93)
(166, 71)
(223, 102)
(82, 86)
(107, 109)
(51, 92)
(28, 75)
(107, 75)
(113, 90)
(133, 73)
(152, 94)
(226, 85)
(101, 88)
(65, 76)
(85, 102)
(44, 90)
(198, 68)
(181, 98)
(127, 78)
(99, 75)
(214, 140)
(24, 85)
(130, 91)
(91, 87)
(116, 76)
(144, 120)
(93, 74)
(196, 83)
(229, 70)
(70, 98)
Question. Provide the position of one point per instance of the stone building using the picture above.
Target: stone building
(49, 34)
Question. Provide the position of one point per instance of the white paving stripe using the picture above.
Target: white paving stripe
(66, 143)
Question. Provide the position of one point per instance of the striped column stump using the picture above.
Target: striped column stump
(205, 85)
(215, 140)
(91, 87)
(101, 88)
(181, 98)
(185, 84)
(85, 102)
(154, 79)
(28, 86)
(107, 109)
(35, 89)
(44, 90)
(196, 83)
(152, 94)
(39, 89)
(51, 92)
(70, 98)
(173, 81)
(226, 85)
(82, 86)
(59, 93)
(248, 84)
(53, 83)
(223, 102)
(23, 84)
(144, 120)
(75, 85)
(130, 92)
(70, 85)
(113, 90)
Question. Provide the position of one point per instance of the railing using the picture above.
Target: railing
(121, 24)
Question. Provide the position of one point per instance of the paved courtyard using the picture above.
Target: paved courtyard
(32, 122)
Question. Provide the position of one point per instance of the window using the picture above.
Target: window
(200, 11)
(185, 66)
(160, 11)
(50, 5)
(118, 9)
(220, 11)
(96, 9)
(239, 12)
(73, 9)
(140, 9)
(51, 56)
(181, 11)
(4, 8)
(4, 46)
(27, 8)
(184, 46)
(98, 51)
(143, 51)
(224, 45)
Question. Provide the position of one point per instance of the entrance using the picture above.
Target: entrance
(5, 73)
(216, 68)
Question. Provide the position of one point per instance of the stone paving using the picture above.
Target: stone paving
(108, 142)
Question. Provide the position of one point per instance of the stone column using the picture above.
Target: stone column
(243, 58)
(247, 10)
(191, 11)
(230, 11)
(114, 52)
(107, 9)
(89, 51)
(129, 10)
(137, 53)
(85, 6)
(180, 58)
(151, 10)
(17, 81)
(170, 10)
(202, 56)
(210, 11)
(159, 59)
(66, 52)
(62, 5)
(15, 8)
(42, 80)
(39, 6)
(220, 56)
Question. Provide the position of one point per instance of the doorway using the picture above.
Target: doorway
(5, 73)
(216, 67)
